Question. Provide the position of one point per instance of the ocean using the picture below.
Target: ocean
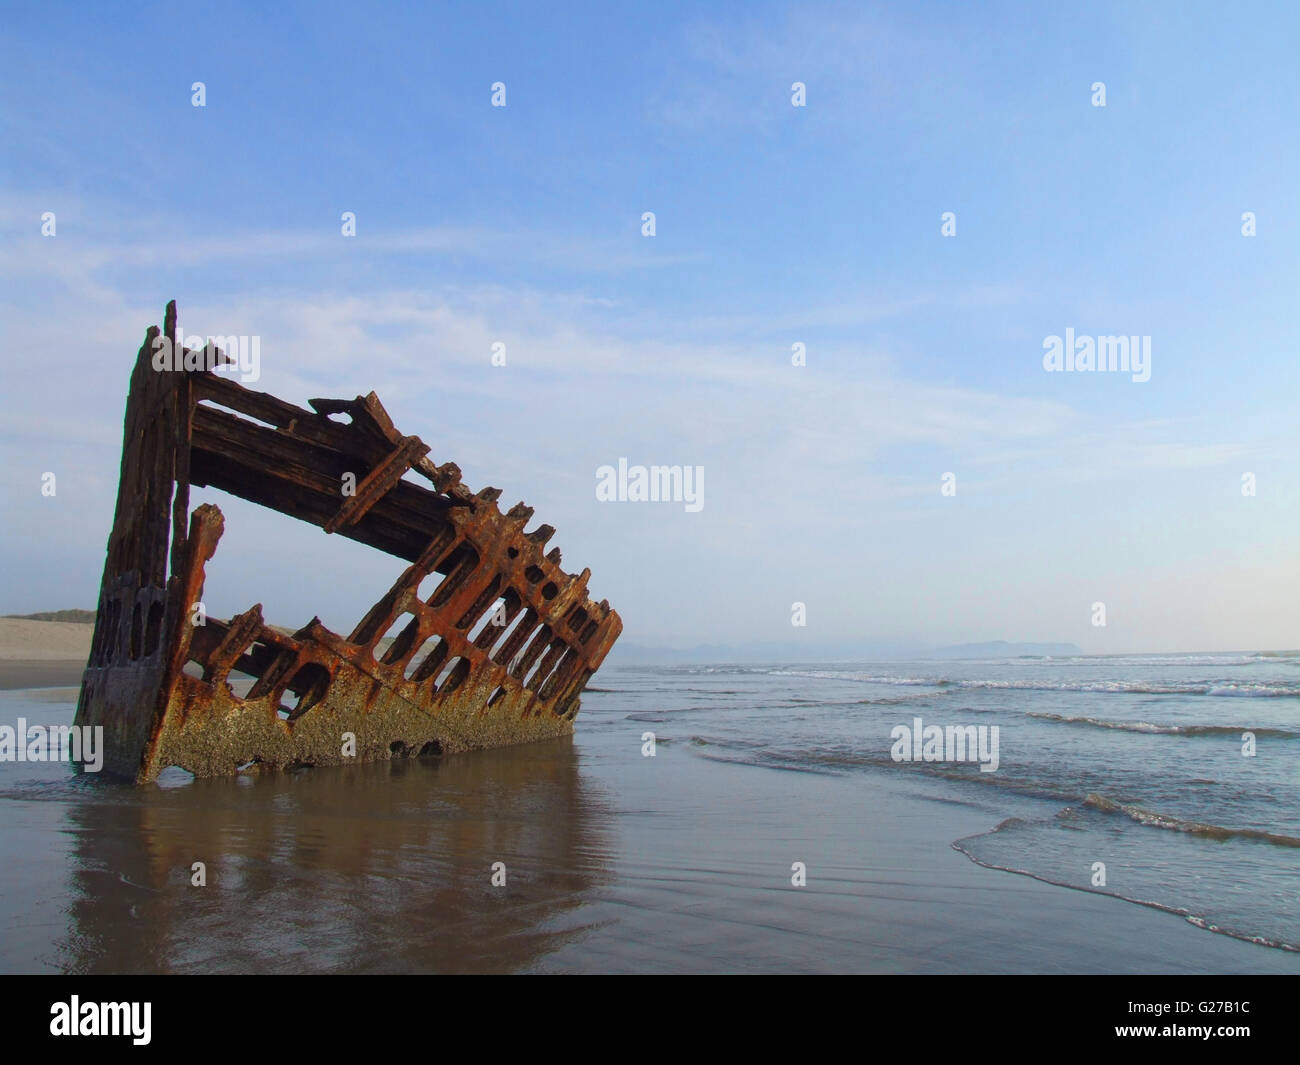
(1142, 762)
(1142, 816)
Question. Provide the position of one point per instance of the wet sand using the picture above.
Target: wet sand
(50, 674)
(614, 862)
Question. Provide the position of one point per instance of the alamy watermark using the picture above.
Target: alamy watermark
(102, 1018)
(241, 355)
(1085, 354)
(53, 743)
(946, 743)
(651, 484)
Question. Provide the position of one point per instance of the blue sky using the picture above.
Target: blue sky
(775, 225)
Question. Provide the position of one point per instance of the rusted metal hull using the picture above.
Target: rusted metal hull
(498, 648)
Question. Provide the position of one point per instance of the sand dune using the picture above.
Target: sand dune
(44, 641)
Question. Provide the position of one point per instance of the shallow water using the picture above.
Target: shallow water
(615, 861)
(1144, 756)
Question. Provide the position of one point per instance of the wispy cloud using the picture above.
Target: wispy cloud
(858, 64)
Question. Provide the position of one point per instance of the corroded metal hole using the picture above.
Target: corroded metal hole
(418, 659)
(453, 676)
(305, 689)
(137, 631)
(153, 628)
(401, 633)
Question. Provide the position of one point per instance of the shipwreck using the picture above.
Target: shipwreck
(497, 651)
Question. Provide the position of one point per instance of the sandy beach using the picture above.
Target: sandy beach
(42, 654)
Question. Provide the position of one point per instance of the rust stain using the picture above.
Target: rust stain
(496, 653)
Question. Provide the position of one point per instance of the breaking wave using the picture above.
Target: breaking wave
(1154, 819)
(970, 846)
(1289, 690)
(1164, 730)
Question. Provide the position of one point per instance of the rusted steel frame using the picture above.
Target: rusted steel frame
(288, 472)
(484, 684)
(378, 483)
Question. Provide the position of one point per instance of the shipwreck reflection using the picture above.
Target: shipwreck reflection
(384, 867)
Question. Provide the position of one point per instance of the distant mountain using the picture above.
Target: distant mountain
(766, 653)
(630, 654)
(1003, 649)
(709, 653)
